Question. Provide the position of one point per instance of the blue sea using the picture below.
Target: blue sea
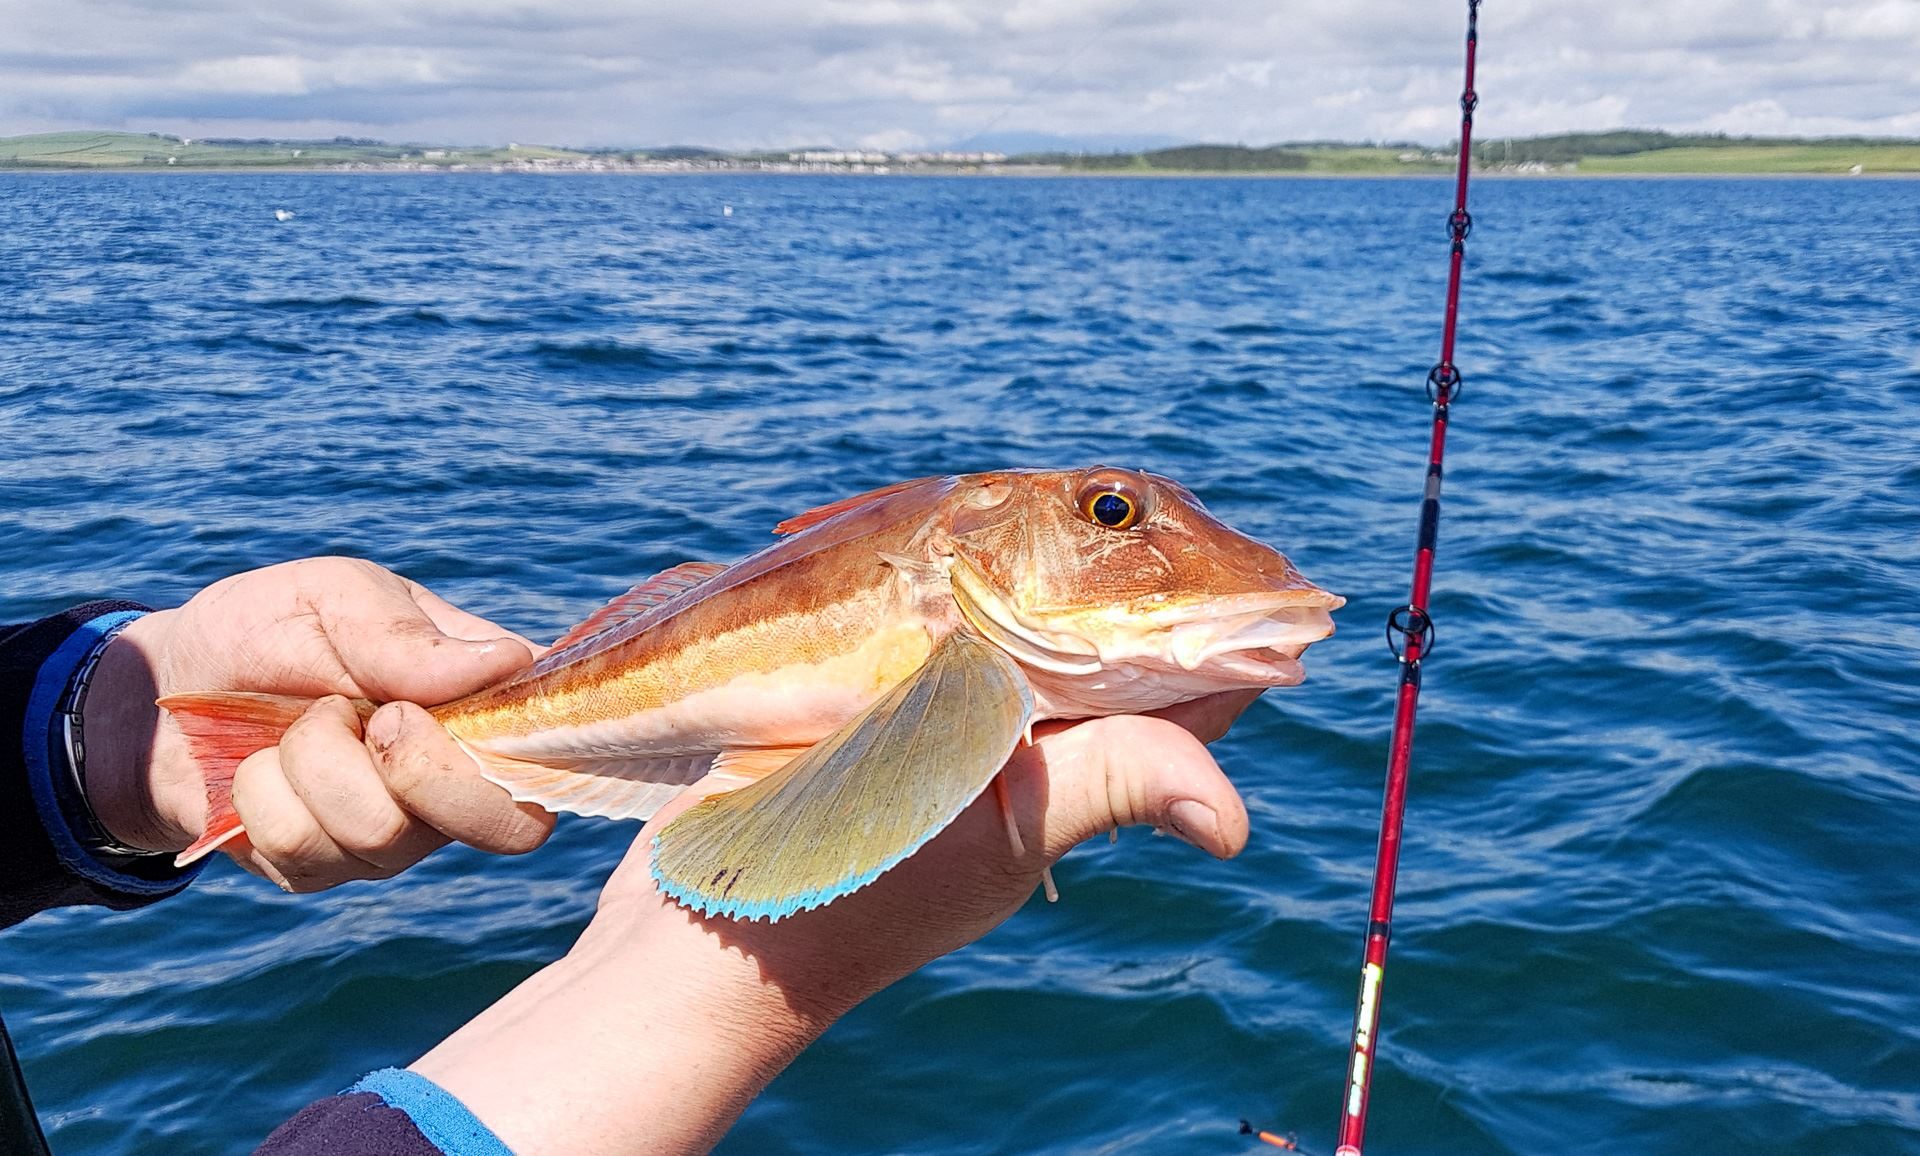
(1660, 890)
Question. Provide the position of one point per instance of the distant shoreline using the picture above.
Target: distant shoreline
(1618, 153)
(1008, 173)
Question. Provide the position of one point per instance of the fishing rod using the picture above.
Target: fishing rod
(1410, 635)
(20, 1133)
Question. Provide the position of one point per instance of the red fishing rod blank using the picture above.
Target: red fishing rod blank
(1410, 634)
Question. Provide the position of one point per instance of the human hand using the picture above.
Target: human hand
(1077, 780)
(655, 1031)
(331, 802)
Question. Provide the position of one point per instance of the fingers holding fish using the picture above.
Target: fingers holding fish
(860, 708)
(328, 805)
(421, 767)
(325, 760)
(1125, 770)
(1208, 719)
(399, 641)
(454, 622)
(317, 812)
(285, 843)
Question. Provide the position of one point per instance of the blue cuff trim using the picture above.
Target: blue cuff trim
(441, 1118)
(37, 743)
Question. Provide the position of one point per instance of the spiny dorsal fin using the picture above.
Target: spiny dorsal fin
(820, 514)
(860, 801)
(662, 587)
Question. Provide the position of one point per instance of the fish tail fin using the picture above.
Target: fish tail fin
(221, 729)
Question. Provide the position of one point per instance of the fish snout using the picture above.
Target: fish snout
(1289, 587)
(1302, 615)
(1259, 637)
(1294, 628)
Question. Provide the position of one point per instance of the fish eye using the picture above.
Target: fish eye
(1114, 498)
(1112, 509)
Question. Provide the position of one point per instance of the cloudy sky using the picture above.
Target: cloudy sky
(907, 73)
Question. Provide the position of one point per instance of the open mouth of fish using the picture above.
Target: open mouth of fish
(1257, 639)
(1250, 639)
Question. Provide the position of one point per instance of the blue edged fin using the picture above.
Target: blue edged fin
(861, 800)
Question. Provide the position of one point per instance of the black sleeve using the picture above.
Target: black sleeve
(351, 1124)
(32, 875)
(391, 1112)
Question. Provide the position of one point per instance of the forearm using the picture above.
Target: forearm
(651, 1035)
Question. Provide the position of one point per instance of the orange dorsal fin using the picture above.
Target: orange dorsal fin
(820, 514)
(662, 587)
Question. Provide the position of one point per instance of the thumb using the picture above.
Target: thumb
(394, 652)
(1106, 773)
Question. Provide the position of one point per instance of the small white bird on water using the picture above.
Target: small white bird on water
(726, 210)
(283, 214)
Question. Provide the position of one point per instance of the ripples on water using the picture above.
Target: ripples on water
(1659, 893)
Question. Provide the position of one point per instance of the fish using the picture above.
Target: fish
(843, 694)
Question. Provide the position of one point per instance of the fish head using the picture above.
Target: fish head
(1080, 573)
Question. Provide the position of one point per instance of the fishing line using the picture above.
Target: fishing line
(1410, 636)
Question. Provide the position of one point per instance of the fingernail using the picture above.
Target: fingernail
(383, 730)
(1194, 823)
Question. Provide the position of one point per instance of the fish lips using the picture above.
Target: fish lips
(1241, 639)
(1253, 639)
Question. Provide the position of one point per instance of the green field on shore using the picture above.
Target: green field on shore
(1807, 157)
(105, 150)
(1621, 152)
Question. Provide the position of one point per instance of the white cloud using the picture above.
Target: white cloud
(897, 140)
(774, 72)
(1897, 20)
(254, 75)
(1771, 118)
(896, 14)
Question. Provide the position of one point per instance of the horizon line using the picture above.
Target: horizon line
(965, 147)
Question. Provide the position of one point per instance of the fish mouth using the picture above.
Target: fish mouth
(1251, 639)
(1258, 645)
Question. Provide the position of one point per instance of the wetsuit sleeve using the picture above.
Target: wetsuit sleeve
(390, 1113)
(42, 864)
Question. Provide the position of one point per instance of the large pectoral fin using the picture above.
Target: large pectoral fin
(864, 798)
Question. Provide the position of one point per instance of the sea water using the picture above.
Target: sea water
(1660, 890)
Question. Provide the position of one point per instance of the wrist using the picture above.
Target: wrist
(785, 977)
(122, 726)
(651, 1035)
